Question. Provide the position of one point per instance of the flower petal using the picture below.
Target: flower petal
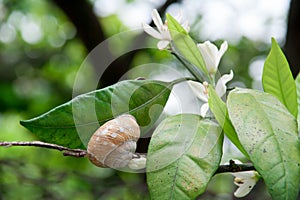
(162, 44)
(245, 174)
(221, 84)
(209, 52)
(180, 19)
(165, 33)
(157, 20)
(186, 26)
(212, 55)
(223, 49)
(179, 16)
(199, 90)
(204, 109)
(244, 189)
(245, 180)
(151, 31)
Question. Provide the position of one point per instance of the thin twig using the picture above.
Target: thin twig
(232, 167)
(66, 151)
(192, 70)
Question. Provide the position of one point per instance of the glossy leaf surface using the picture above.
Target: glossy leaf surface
(72, 124)
(219, 109)
(185, 44)
(278, 80)
(268, 133)
(184, 153)
(298, 98)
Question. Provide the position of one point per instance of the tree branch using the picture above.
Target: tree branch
(66, 151)
(89, 30)
(292, 37)
(81, 14)
(232, 167)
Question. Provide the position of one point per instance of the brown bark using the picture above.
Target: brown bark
(80, 13)
(292, 45)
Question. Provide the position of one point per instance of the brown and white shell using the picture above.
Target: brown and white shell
(114, 143)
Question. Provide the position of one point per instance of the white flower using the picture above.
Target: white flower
(212, 55)
(163, 33)
(201, 90)
(245, 181)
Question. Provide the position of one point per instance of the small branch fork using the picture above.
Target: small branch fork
(78, 153)
(232, 167)
(66, 151)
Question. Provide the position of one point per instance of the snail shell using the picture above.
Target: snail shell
(114, 143)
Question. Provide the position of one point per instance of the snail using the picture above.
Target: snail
(114, 143)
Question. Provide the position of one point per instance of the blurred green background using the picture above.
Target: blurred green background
(44, 43)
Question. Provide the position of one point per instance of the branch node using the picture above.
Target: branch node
(66, 151)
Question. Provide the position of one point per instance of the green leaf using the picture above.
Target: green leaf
(268, 133)
(185, 45)
(278, 80)
(219, 109)
(184, 153)
(72, 124)
(298, 97)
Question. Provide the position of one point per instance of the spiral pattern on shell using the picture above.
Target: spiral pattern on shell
(114, 143)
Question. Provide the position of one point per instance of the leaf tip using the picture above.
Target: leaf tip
(273, 40)
(23, 122)
(169, 17)
(26, 123)
(275, 44)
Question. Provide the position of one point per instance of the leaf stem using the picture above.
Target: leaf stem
(193, 71)
(176, 81)
(66, 151)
